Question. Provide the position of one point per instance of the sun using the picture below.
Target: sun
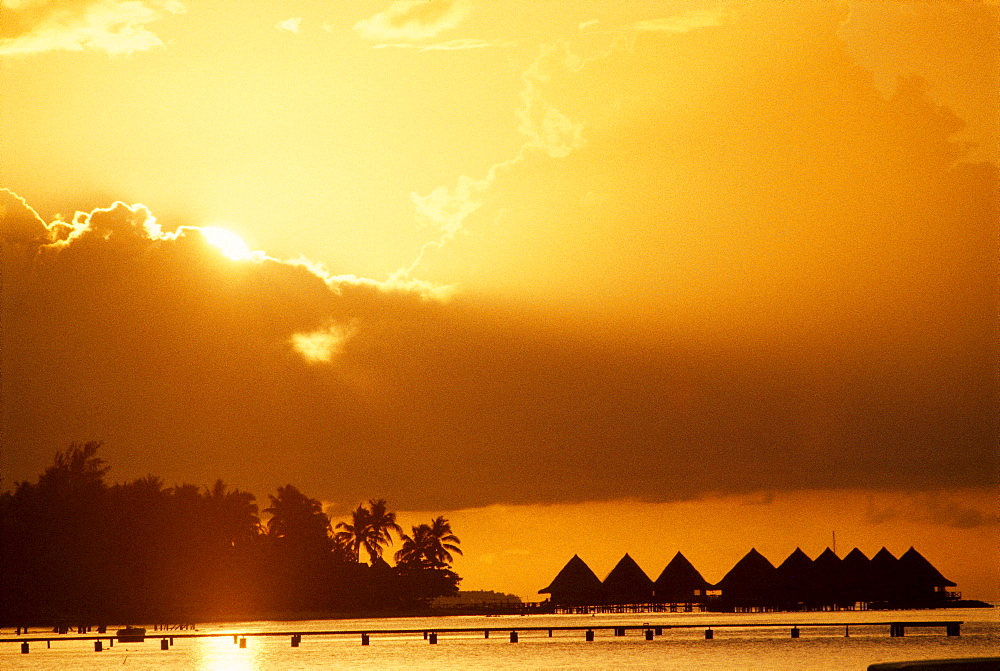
(230, 244)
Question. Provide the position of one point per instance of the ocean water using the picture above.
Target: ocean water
(736, 647)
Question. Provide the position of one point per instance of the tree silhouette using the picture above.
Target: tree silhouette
(296, 518)
(369, 528)
(430, 546)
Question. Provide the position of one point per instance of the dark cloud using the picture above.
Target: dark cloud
(790, 281)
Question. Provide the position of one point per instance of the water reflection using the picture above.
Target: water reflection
(221, 654)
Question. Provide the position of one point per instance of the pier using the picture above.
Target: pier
(588, 633)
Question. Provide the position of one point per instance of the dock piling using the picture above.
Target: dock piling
(24, 648)
(433, 638)
(364, 639)
(513, 637)
(649, 634)
(590, 635)
(243, 642)
(795, 632)
(709, 634)
(165, 644)
(98, 646)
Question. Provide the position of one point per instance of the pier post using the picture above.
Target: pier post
(243, 642)
(954, 629)
(709, 634)
(171, 640)
(98, 646)
(513, 637)
(48, 644)
(658, 631)
(433, 638)
(550, 633)
(486, 633)
(165, 644)
(425, 635)
(795, 632)
(847, 630)
(24, 648)
(649, 634)
(364, 639)
(590, 635)
(235, 639)
(295, 641)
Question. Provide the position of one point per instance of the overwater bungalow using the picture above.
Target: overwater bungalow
(575, 585)
(828, 572)
(627, 583)
(796, 582)
(680, 582)
(922, 584)
(750, 585)
(856, 579)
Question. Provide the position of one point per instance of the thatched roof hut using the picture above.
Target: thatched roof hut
(856, 582)
(575, 585)
(885, 579)
(680, 582)
(796, 581)
(627, 583)
(751, 583)
(920, 583)
(828, 572)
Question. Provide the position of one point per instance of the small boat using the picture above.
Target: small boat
(131, 635)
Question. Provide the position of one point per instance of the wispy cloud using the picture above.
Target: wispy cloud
(292, 24)
(413, 20)
(451, 45)
(114, 26)
(682, 23)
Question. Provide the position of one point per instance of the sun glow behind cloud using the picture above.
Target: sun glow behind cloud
(230, 244)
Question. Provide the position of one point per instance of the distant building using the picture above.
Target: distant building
(575, 585)
(798, 583)
(751, 584)
(627, 583)
(680, 582)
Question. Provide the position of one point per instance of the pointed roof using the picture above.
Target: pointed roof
(914, 566)
(884, 558)
(680, 573)
(827, 560)
(575, 577)
(855, 561)
(753, 569)
(797, 563)
(628, 583)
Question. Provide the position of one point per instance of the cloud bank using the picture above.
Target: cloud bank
(114, 26)
(761, 276)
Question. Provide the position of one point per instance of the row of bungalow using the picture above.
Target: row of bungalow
(754, 583)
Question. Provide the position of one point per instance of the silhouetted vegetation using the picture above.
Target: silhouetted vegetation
(76, 550)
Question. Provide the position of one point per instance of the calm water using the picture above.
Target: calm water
(737, 648)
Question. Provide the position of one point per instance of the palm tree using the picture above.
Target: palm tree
(297, 518)
(369, 528)
(430, 546)
(354, 534)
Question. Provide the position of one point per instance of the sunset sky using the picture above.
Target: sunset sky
(583, 276)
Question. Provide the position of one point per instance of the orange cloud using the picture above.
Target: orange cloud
(114, 26)
(413, 20)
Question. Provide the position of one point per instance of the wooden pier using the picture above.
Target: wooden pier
(648, 630)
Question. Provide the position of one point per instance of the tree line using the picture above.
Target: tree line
(76, 550)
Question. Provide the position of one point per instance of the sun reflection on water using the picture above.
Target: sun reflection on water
(221, 654)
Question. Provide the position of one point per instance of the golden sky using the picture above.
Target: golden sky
(647, 267)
